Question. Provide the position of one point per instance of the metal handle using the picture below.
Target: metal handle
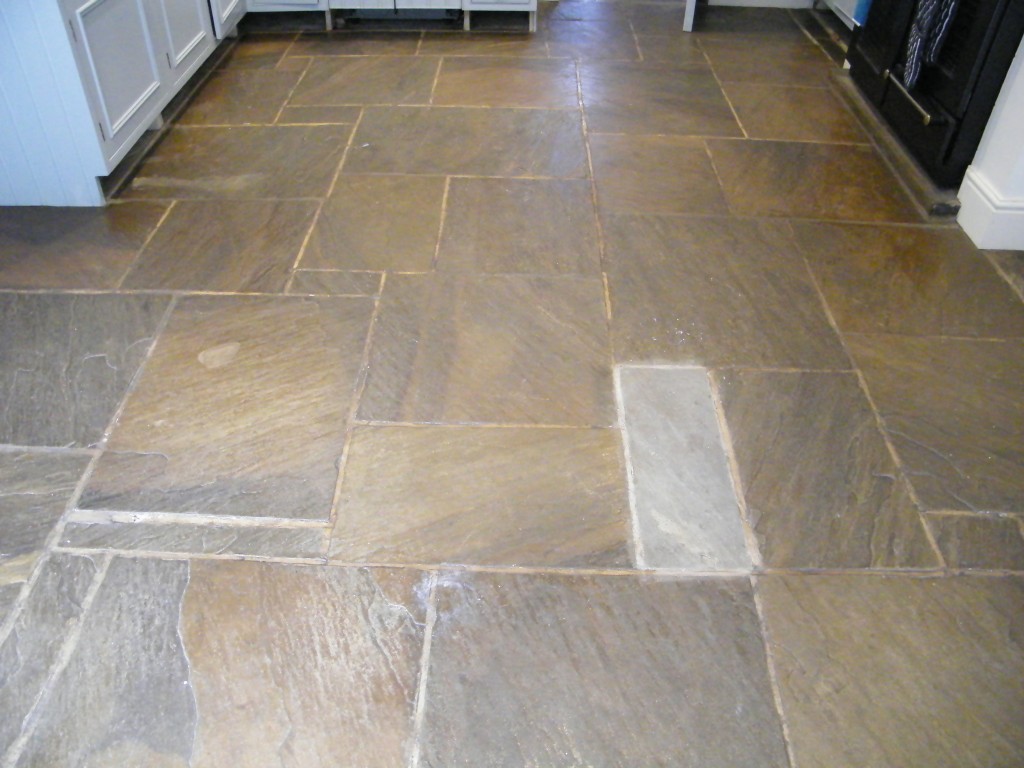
(926, 116)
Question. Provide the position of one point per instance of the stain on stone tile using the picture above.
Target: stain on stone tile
(811, 181)
(954, 412)
(684, 502)
(72, 247)
(331, 282)
(655, 174)
(467, 141)
(520, 226)
(378, 223)
(367, 80)
(793, 113)
(822, 490)
(225, 245)
(507, 82)
(537, 497)
(714, 292)
(898, 671)
(502, 349)
(909, 280)
(39, 632)
(241, 411)
(240, 97)
(66, 362)
(979, 541)
(585, 670)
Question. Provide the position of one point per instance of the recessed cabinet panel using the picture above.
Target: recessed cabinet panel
(261, 5)
(188, 32)
(226, 15)
(119, 58)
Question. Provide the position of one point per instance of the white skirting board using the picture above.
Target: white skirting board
(989, 220)
(765, 3)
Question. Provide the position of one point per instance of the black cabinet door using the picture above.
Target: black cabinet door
(879, 45)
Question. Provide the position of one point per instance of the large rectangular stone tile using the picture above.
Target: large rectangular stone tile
(742, 24)
(497, 349)
(242, 663)
(450, 44)
(635, 98)
(354, 42)
(242, 162)
(332, 282)
(224, 245)
(340, 115)
(790, 113)
(809, 181)
(67, 360)
(470, 495)
(520, 225)
(679, 50)
(909, 280)
(684, 503)
(821, 488)
(589, 40)
(367, 80)
(586, 670)
(954, 410)
(466, 141)
(262, 51)
(714, 292)
(898, 671)
(72, 247)
(507, 82)
(242, 410)
(378, 223)
(655, 174)
(35, 488)
(979, 541)
(792, 62)
(36, 637)
(241, 97)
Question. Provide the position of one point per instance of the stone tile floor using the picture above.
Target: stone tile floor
(591, 398)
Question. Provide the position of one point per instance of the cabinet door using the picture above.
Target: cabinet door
(226, 15)
(287, 5)
(119, 65)
(187, 36)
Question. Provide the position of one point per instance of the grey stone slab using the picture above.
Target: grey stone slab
(242, 410)
(66, 362)
(330, 282)
(898, 671)
(31, 648)
(685, 506)
(548, 671)
(200, 539)
(979, 541)
(821, 487)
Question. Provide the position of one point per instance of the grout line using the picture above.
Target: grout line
(67, 650)
(344, 154)
(419, 708)
(419, 42)
(1001, 515)
(437, 76)
(728, 448)
(636, 40)
(155, 554)
(769, 658)
(145, 244)
(607, 305)
(302, 248)
(639, 558)
(288, 98)
(440, 226)
(473, 425)
(718, 178)
(119, 516)
(1017, 288)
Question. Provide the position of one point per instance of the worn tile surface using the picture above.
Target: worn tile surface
(588, 41)
(337, 115)
(898, 671)
(953, 410)
(66, 362)
(482, 142)
(554, 497)
(799, 63)
(480, 43)
(241, 97)
(329, 282)
(507, 82)
(72, 247)
(714, 292)
(498, 349)
(813, 181)
(241, 411)
(566, 671)
(520, 225)
(979, 541)
(822, 490)
(793, 114)
(356, 43)
(367, 80)
(262, 51)
(684, 503)
(378, 223)
(224, 245)
(909, 281)
(655, 174)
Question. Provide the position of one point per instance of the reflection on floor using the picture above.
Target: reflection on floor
(590, 398)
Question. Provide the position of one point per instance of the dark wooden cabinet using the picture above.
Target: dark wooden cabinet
(941, 119)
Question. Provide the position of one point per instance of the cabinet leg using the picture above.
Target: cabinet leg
(157, 124)
(533, 21)
(465, 21)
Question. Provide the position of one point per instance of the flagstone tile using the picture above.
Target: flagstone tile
(331, 282)
(367, 80)
(241, 97)
(793, 113)
(507, 82)
(979, 541)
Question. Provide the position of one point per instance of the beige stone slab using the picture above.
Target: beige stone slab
(507, 82)
(588, 40)
(910, 281)
(793, 62)
(343, 115)
(241, 97)
(898, 671)
(714, 292)
(378, 223)
(72, 247)
(520, 226)
(511, 44)
(367, 80)
(793, 113)
(529, 497)
(671, 50)
(346, 42)
(242, 410)
(224, 245)
(466, 141)
(494, 349)
(553, 671)
(822, 490)
(979, 541)
(954, 411)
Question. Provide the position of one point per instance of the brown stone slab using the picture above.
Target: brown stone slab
(792, 62)
(356, 43)
(507, 82)
(367, 80)
(588, 40)
(793, 114)
(241, 97)
(328, 282)
(979, 541)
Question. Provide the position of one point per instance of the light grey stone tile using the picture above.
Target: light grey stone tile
(685, 506)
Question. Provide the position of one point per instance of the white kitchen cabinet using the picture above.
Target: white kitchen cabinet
(286, 5)
(226, 15)
(186, 36)
(530, 6)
